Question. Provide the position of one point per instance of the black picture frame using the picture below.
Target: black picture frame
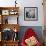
(30, 13)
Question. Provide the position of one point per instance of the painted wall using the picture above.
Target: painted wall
(26, 3)
(37, 29)
(30, 3)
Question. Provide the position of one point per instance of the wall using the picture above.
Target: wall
(30, 3)
(36, 29)
(26, 3)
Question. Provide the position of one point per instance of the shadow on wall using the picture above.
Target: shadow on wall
(37, 29)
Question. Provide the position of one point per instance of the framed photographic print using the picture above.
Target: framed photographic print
(30, 13)
(5, 12)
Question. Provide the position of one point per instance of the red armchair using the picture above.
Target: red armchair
(28, 34)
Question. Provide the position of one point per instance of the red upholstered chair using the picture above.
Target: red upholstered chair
(29, 33)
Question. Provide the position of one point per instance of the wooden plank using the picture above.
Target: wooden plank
(10, 26)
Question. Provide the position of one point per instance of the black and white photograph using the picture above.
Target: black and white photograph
(30, 13)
